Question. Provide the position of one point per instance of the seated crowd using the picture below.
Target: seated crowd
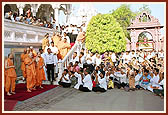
(126, 70)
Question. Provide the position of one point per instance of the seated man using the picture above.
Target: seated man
(131, 76)
(145, 79)
(87, 82)
(116, 78)
(65, 79)
(160, 89)
(123, 78)
(74, 58)
(154, 81)
(79, 76)
(90, 61)
(81, 59)
(137, 77)
(101, 82)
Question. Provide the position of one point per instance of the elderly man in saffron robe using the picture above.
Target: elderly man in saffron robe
(30, 72)
(10, 75)
(40, 74)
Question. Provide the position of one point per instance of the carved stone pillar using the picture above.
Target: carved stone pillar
(34, 8)
(68, 8)
(159, 40)
(20, 7)
(133, 40)
(156, 39)
(56, 12)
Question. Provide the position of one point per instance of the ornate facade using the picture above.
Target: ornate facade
(150, 25)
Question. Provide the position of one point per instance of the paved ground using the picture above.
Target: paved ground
(69, 99)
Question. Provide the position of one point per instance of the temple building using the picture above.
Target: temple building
(83, 14)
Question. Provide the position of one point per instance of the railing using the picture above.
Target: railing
(18, 33)
(62, 64)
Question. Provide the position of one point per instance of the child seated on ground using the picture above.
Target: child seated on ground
(70, 67)
(93, 81)
(76, 67)
(110, 83)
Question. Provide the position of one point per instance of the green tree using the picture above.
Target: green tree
(124, 15)
(145, 7)
(105, 34)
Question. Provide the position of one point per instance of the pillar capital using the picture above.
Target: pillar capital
(34, 8)
(20, 6)
(55, 6)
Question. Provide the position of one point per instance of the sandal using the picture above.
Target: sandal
(13, 93)
(34, 88)
(9, 94)
(29, 90)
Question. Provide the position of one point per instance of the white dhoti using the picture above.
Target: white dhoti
(155, 85)
(56, 69)
(145, 86)
(77, 85)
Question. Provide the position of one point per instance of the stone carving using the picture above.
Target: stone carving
(18, 36)
(7, 35)
(148, 23)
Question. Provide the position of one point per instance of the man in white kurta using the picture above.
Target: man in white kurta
(74, 58)
(154, 81)
(79, 77)
(87, 82)
(54, 50)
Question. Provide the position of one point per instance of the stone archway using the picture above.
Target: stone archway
(145, 40)
(7, 8)
(44, 12)
(145, 22)
(10, 7)
(26, 7)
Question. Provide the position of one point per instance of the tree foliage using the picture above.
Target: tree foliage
(104, 33)
(145, 7)
(124, 15)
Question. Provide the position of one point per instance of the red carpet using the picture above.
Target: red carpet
(72, 44)
(22, 95)
(9, 105)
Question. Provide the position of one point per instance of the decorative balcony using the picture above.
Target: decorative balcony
(20, 34)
